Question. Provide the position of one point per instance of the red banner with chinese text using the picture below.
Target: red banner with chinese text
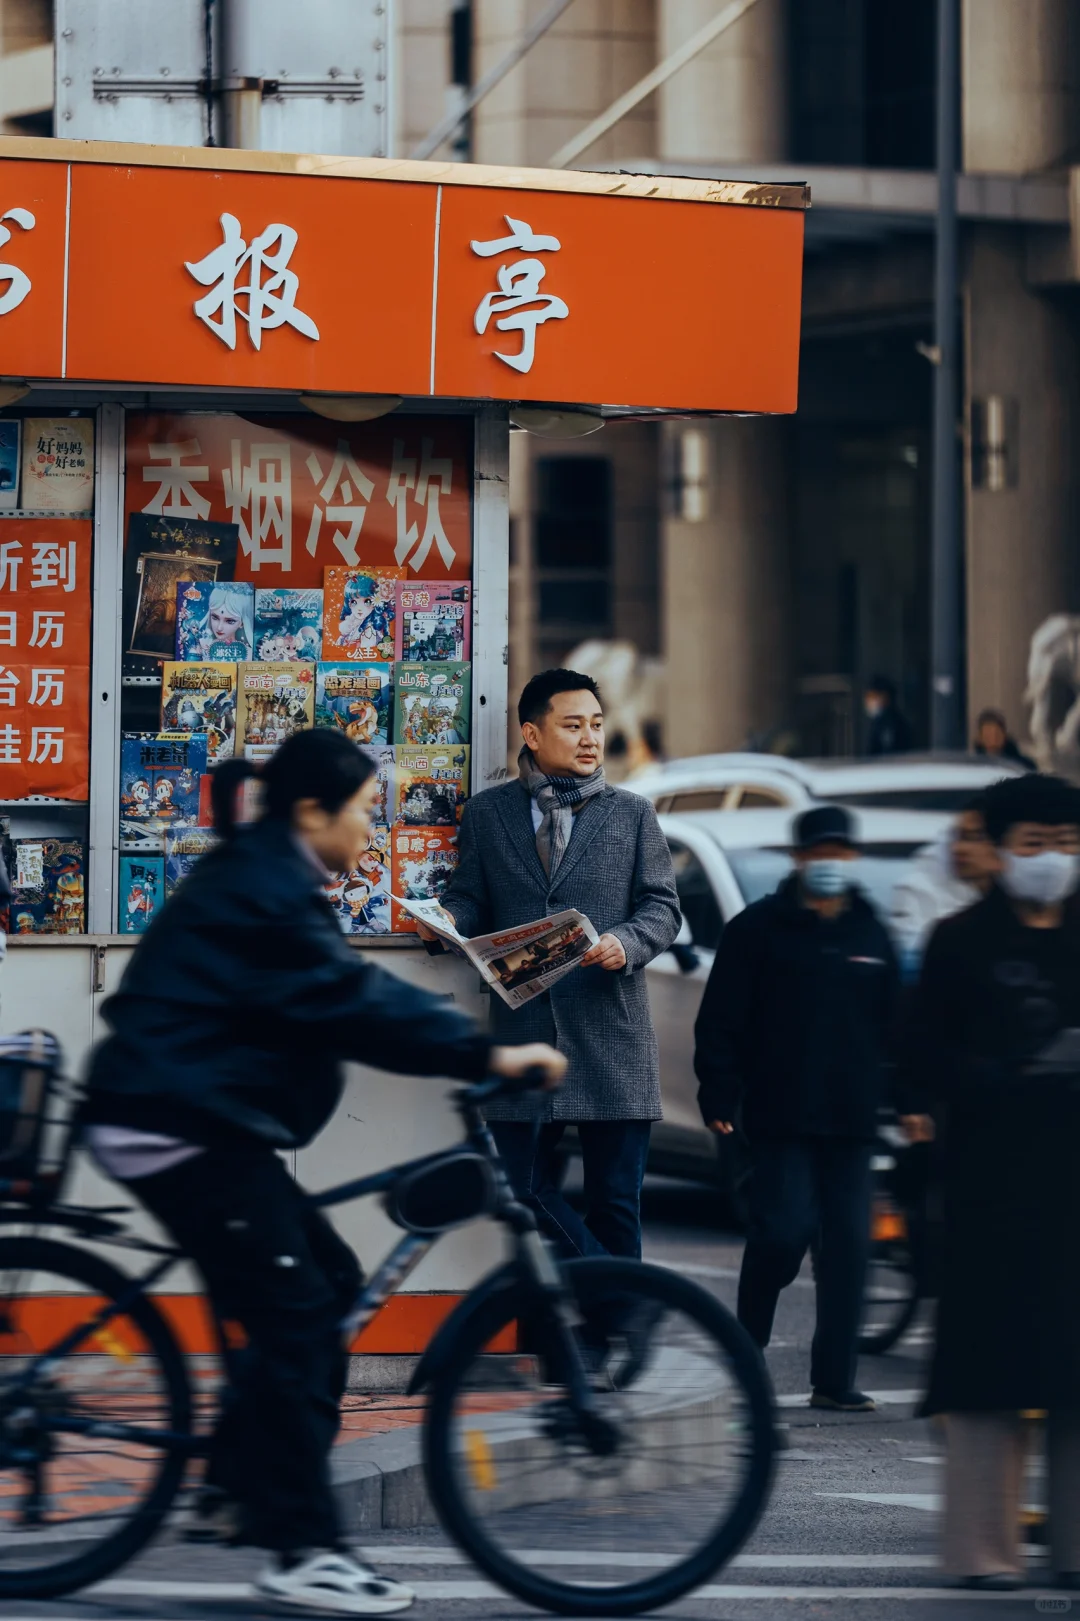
(45, 607)
(309, 494)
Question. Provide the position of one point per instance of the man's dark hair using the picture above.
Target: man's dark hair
(991, 715)
(1048, 801)
(883, 684)
(535, 701)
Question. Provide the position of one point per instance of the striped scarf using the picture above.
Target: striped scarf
(556, 798)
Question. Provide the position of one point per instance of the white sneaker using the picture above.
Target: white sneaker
(335, 1584)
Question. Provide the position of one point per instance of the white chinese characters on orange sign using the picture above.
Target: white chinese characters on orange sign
(267, 299)
(519, 303)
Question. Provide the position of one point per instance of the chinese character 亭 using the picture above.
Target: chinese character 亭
(8, 682)
(46, 686)
(262, 486)
(519, 303)
(10, 745)
(9, 629)
(18, 282)
(53, 564)
(48, 627)
(263, 305)
(177, 496)
(435, 479)
(10, 558)
(46, 741)
(350, 485)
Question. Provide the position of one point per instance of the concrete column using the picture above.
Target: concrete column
(731, 100)
(1021, 110)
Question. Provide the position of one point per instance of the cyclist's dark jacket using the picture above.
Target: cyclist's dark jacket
(242, 1000)
(796, 1020)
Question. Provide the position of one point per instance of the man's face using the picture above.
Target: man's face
(972, 853)
(1032, 838)
(992, 736)
(568, 741)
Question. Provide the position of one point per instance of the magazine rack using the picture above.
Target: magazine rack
(36, 1117)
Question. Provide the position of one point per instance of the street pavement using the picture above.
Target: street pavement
(850, 1533)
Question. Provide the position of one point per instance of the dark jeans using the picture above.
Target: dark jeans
(273, 1264)
(613, 1154)
(810, 1191)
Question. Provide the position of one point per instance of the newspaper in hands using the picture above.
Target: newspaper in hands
(517, 963)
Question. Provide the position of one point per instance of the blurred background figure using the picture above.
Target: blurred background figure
(992, 739)
(946, 877)
(889, 730)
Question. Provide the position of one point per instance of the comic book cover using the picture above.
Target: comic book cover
(356, 698)
(183, 848)
(361, 899)
(160, 551)
(434, 621)
(272, 702)
(142, 892)
(288, 624)
(161, 786)
(431, 785)
(423, 863)
(383, 755)
(201, 698)
(359, 613)
(432, 703)
(48, 887)
(215, 621)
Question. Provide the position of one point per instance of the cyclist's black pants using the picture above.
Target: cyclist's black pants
(275, 1266)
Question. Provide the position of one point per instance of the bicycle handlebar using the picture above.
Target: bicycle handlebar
(501, 1086)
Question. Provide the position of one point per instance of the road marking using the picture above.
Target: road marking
(657, 1561)
(884, 1398)
(929, 1502)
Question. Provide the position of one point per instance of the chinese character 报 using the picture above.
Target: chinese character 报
(264, 305)
(18, 282)
(347, 486)
(435, 478)
(519, 304)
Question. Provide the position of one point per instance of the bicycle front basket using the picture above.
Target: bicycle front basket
(29, 1076)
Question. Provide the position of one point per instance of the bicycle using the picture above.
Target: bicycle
(568, 1406)
(897, 1280)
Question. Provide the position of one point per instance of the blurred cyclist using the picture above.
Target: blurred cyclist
(229, 1029)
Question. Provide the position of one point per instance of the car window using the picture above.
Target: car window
(760, 872)
(696, 898)
(927, 799)
(697, 799)
(762, 799)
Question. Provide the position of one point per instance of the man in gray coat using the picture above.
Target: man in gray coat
(560, 837)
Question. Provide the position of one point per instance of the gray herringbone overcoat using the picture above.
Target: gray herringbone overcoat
(617, 870)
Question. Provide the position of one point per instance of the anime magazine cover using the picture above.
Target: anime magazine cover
(183, 848)
(142, 892)
(424, 861)
(383, 755)
(357, 699)
(431, 785)
(272, 702)
(288, 624)
(434, 621)
(161, 784)
(201, 698)
(215, 621)
(48, 887)
(361, 899)
(431, 703)
(360, 613)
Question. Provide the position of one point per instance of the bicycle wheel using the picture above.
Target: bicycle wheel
(890, 1299)
(92, 1445)
(669, 1496)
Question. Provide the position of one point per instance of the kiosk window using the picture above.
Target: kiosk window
(696, 898)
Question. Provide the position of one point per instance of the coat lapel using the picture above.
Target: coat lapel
(516, 812)
(590, 819)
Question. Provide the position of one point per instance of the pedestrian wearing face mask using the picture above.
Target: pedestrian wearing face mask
(792, 1035)
(994, 1048)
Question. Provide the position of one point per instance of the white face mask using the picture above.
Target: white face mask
(828, 878)
(1040, 880)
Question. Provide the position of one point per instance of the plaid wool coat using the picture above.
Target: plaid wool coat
(617, 870)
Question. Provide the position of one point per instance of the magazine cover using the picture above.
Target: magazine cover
(48, 885)
(356, 698)
(201, 698)
(383, 755)
(142, 892)
(183, 848)
(434, 620)
(424, 861)
(431, 785)
(288, 624)
(58, 464)
(215, 621)
(159, 553)
(161, 777)
(361, 899)
(9, 463)
(432, 703)
(359, 613)
(272, 702)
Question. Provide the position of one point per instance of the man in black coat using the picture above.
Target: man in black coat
(792, 1028)
(994, 1048)
(888, 728)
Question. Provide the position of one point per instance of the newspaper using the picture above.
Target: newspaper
(517, 963)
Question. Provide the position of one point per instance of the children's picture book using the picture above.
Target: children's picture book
(215, 621)
(160, 552)
(288, 623)
(357, 699)
(142, 892)
(183, 848)
(9, 463)
(58, 464)
(201, 698)
(424, 861)
(383, 755)
(361, 899)
(272, 702)
(48, 885)
(430, 786)
(432, 703)
(359, 613)
(161, 785)
(434, 620)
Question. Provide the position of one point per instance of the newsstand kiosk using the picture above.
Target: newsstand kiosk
(254, 437)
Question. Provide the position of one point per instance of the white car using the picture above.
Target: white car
(722, 864)
(727, 782)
